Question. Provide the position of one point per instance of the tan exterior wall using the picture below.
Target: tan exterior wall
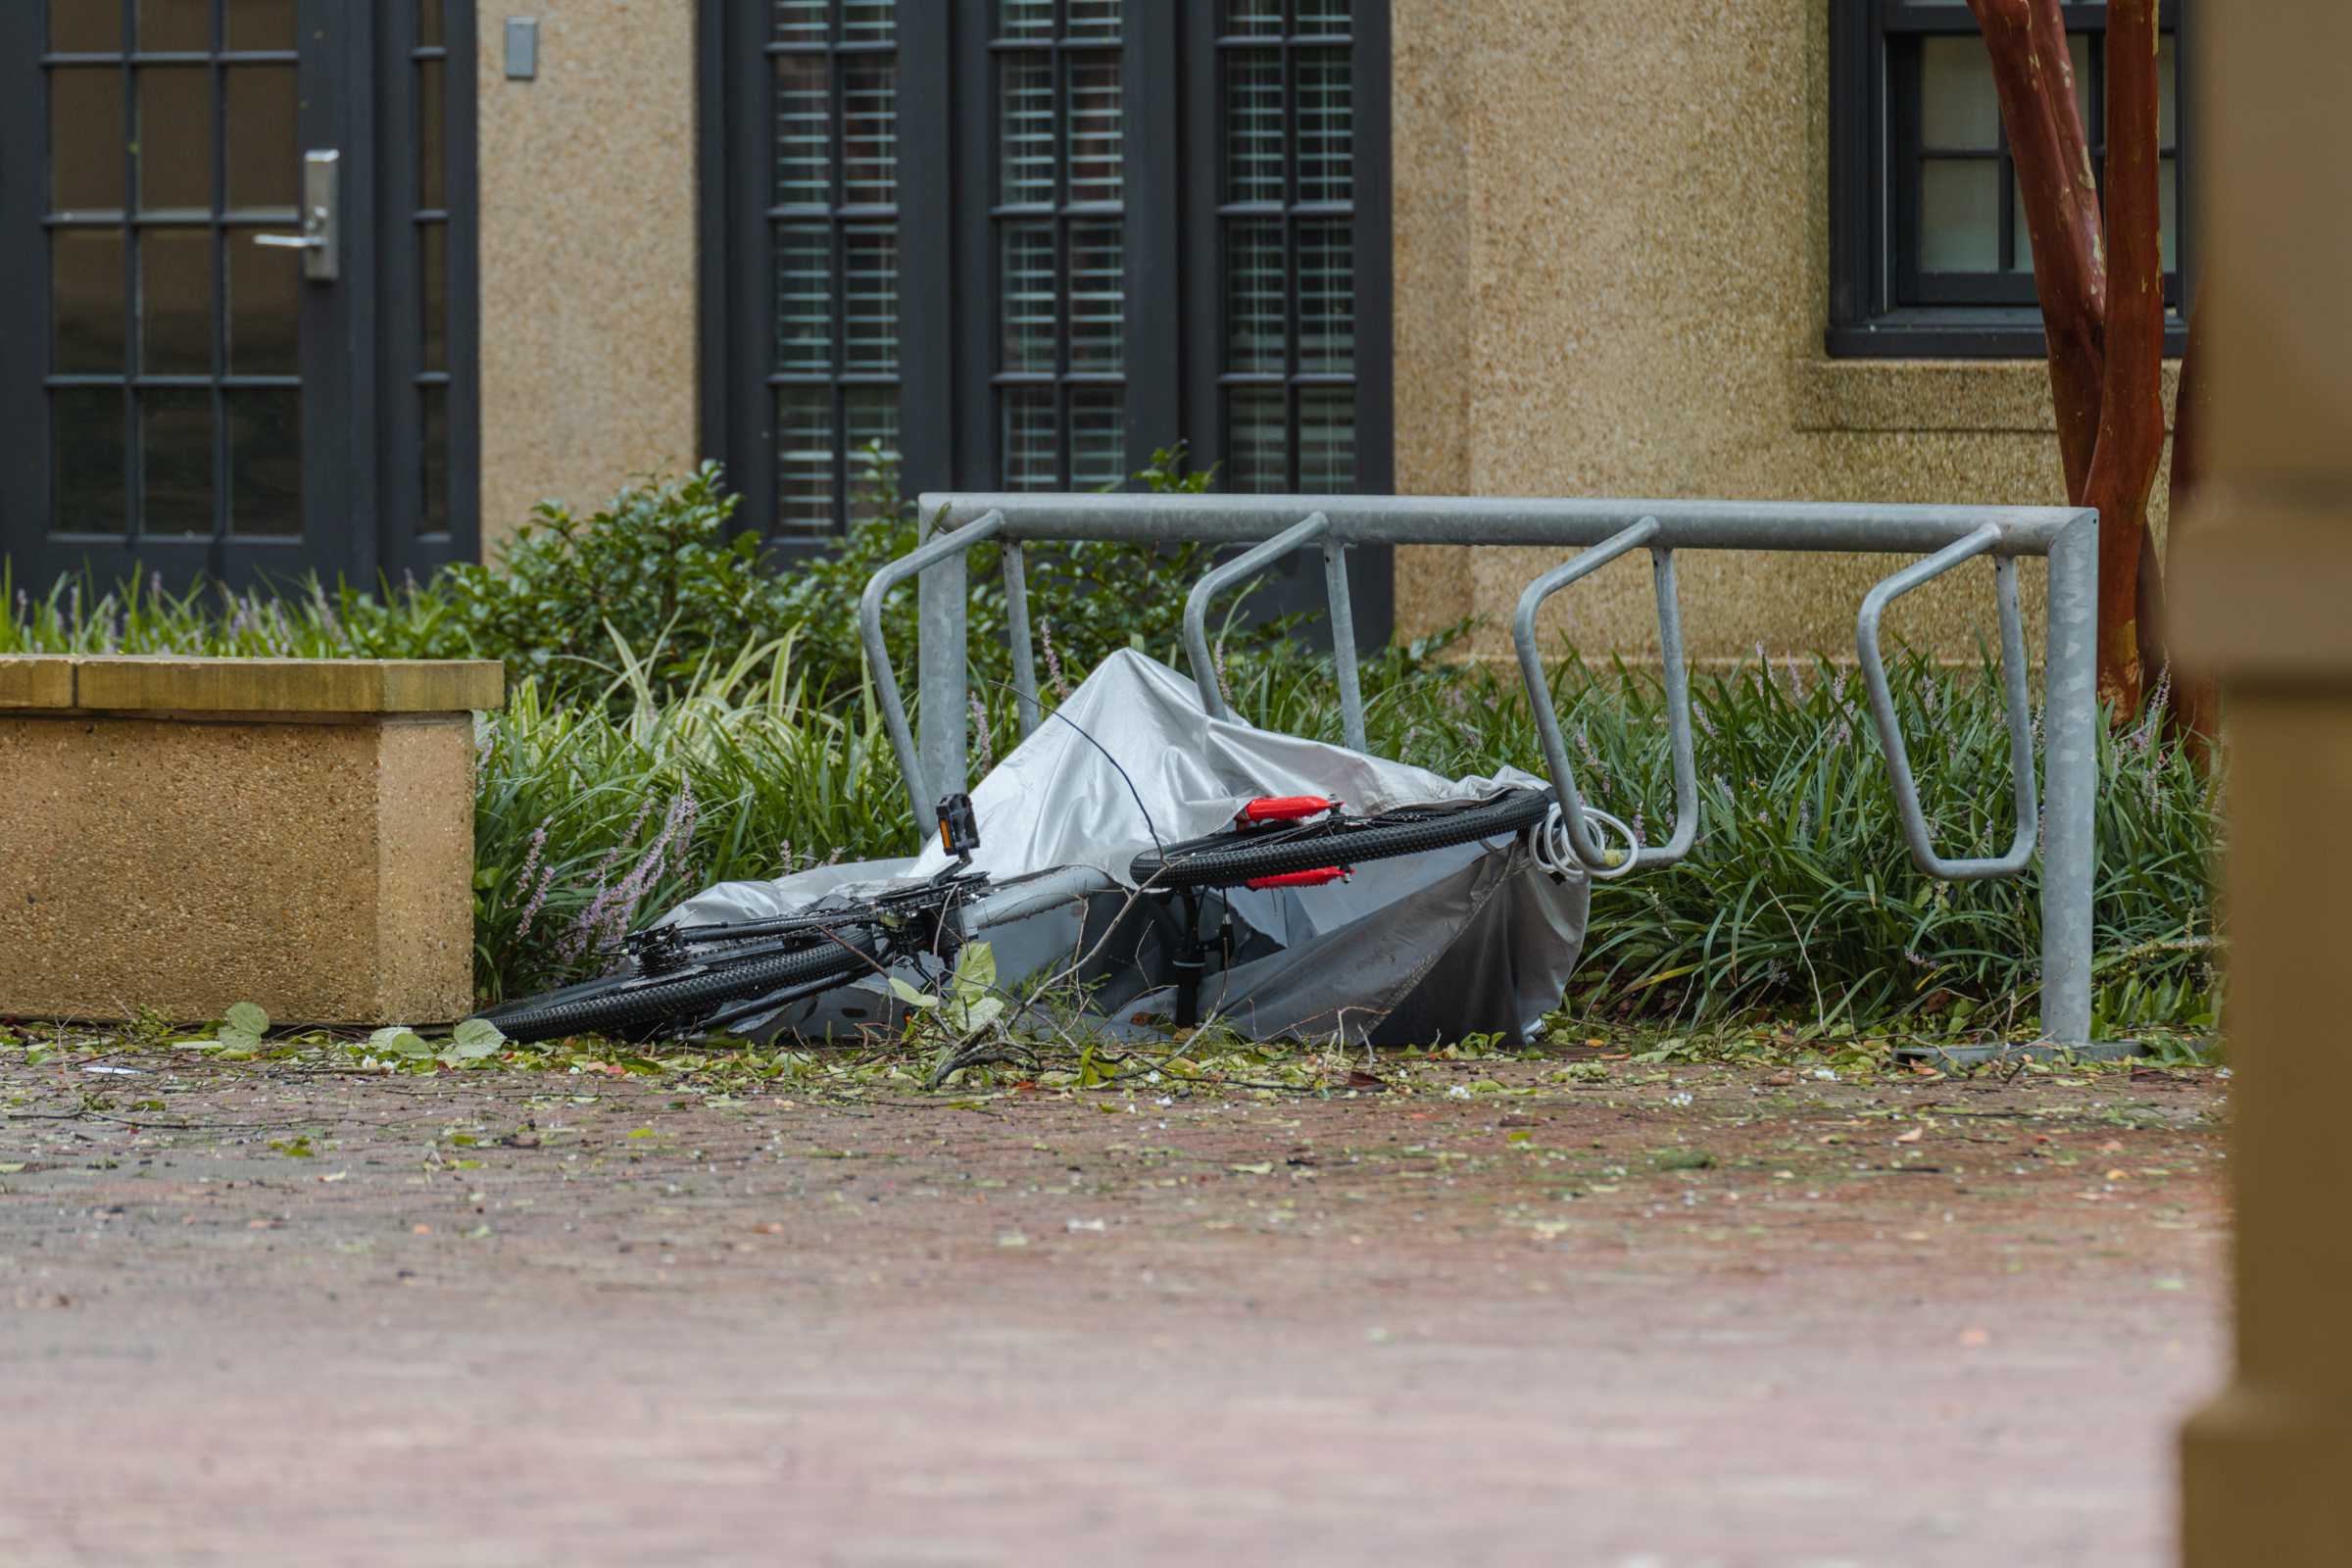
(588, 220)
(1611, 261)
(1612, 264)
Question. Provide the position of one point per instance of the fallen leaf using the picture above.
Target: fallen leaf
(1911, 1137)
(1262, 1168)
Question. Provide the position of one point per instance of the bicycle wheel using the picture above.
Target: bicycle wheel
(627, 1002)
(1239, 855)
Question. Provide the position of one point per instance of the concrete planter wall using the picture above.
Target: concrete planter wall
(181, 834)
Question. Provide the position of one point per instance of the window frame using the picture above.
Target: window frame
(739, 374)
(1876, 309)
(1205, 50)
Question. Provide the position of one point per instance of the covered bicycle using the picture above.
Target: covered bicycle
(1162, 868)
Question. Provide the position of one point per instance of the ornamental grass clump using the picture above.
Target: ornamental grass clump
(1799, 896)
(592, 818)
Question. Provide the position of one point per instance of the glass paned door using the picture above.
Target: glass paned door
(191, 368)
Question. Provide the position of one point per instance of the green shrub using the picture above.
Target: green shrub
(659, 570)
(590, 818)
(658, 581)
(75, 615)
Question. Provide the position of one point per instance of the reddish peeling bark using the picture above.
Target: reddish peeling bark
(2131, 432)
(2100, 281)
(2034, 76)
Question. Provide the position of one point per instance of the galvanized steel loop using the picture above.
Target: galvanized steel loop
(1916, 832)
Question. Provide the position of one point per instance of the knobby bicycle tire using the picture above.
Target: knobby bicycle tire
(1225, 859)
(618, 1002)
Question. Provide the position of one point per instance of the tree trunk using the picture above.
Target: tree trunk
(2034, 76)
(2130, 438)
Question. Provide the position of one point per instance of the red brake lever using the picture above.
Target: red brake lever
(1299, 879)
(1284, 807)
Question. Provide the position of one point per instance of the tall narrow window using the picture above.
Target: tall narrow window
(1286, 212)
(1058, 218)
(428, 57)
(834, 220)
(176, 377)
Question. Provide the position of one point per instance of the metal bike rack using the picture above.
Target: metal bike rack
(1678, 697)
(2020, 706)
(1601, 530)
(1342, 613)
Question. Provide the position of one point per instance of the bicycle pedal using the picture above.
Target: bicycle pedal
(958, 828)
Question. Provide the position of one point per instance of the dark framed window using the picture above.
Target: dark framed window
(1287, 220)
(429, 322)
(833, 230)
(1113, 224)
(1057, 238)
(1929, 254)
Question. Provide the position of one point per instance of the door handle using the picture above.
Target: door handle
(321, 238)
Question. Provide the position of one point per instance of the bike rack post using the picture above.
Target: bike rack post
(1678, 697)
(2066, 536)
(2069, 740)
(1216, 582)
(2020, 710)
(1341, 619)
(1016, 631)
(940, 559)
(1341, 615)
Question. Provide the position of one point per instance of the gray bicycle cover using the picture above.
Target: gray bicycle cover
(1417, 950)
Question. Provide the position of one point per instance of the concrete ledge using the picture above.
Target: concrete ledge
(35, 682)
(131, 683)
(1902, 395)
(188, 833)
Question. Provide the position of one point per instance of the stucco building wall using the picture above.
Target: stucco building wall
(588, 247)
(1612, 278)
(1612, 234)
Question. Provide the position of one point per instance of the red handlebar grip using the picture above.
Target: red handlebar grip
(1284, 807)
